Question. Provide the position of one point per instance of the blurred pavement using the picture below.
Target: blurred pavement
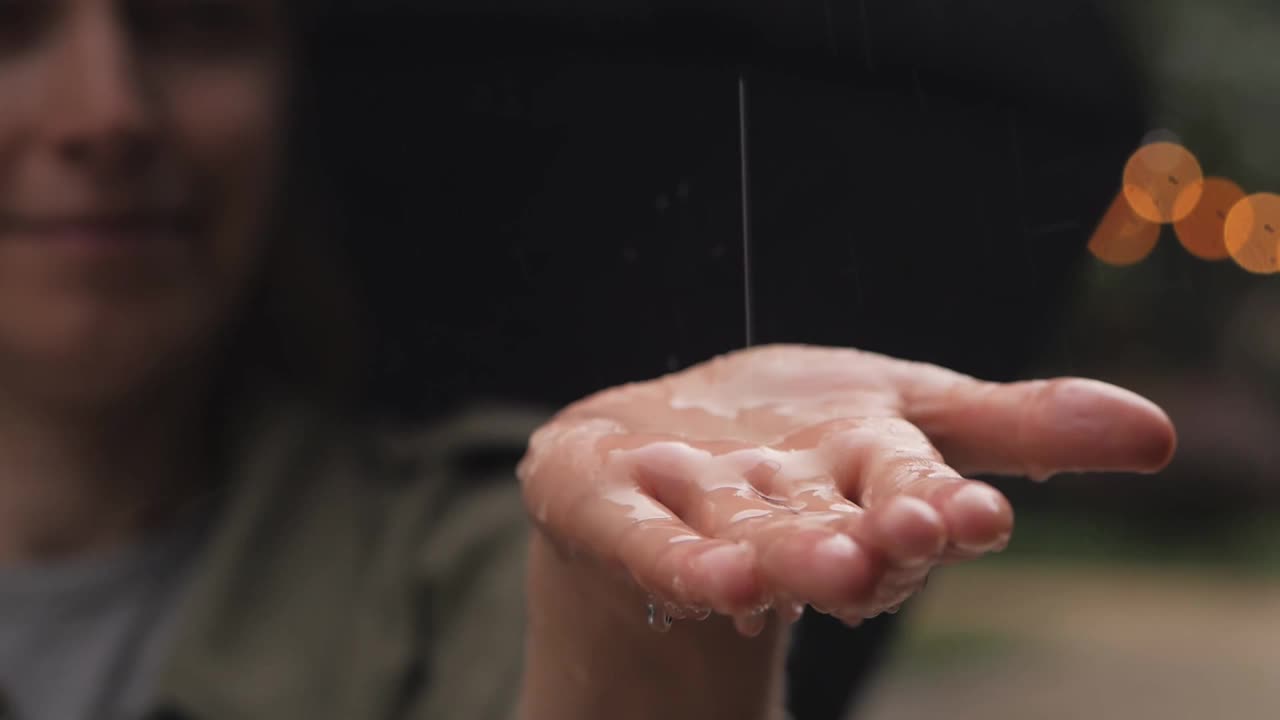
(999, 641)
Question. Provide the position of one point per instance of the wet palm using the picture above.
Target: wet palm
(789, 475)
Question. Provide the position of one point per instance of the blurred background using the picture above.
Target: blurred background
(544, 199)
(1126, 597)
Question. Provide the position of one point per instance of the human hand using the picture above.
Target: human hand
(788, 475)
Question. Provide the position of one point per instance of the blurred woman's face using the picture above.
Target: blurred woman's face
(138, 151)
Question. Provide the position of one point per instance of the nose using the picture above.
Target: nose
(96, 113)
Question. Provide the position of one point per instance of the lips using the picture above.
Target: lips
(96, 228)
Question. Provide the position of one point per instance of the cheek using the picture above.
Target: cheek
(20, 85)
(229, 130)
(218, 135)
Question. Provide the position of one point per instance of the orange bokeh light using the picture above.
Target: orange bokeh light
(1123, 238)
(1252, 233)
(1163, 182)
(1203, 231)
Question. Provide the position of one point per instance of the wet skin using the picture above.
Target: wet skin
(787, 475)
(139, 142)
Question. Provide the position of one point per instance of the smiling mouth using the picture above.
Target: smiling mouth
(98, 229)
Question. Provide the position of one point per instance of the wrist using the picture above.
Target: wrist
(590, 653)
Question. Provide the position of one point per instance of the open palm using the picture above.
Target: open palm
(788, 475)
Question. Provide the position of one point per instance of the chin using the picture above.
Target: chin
(97, 361)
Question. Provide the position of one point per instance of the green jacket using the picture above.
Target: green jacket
(351, 576)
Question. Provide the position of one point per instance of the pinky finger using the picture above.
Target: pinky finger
(693, 571)
(663, 555)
